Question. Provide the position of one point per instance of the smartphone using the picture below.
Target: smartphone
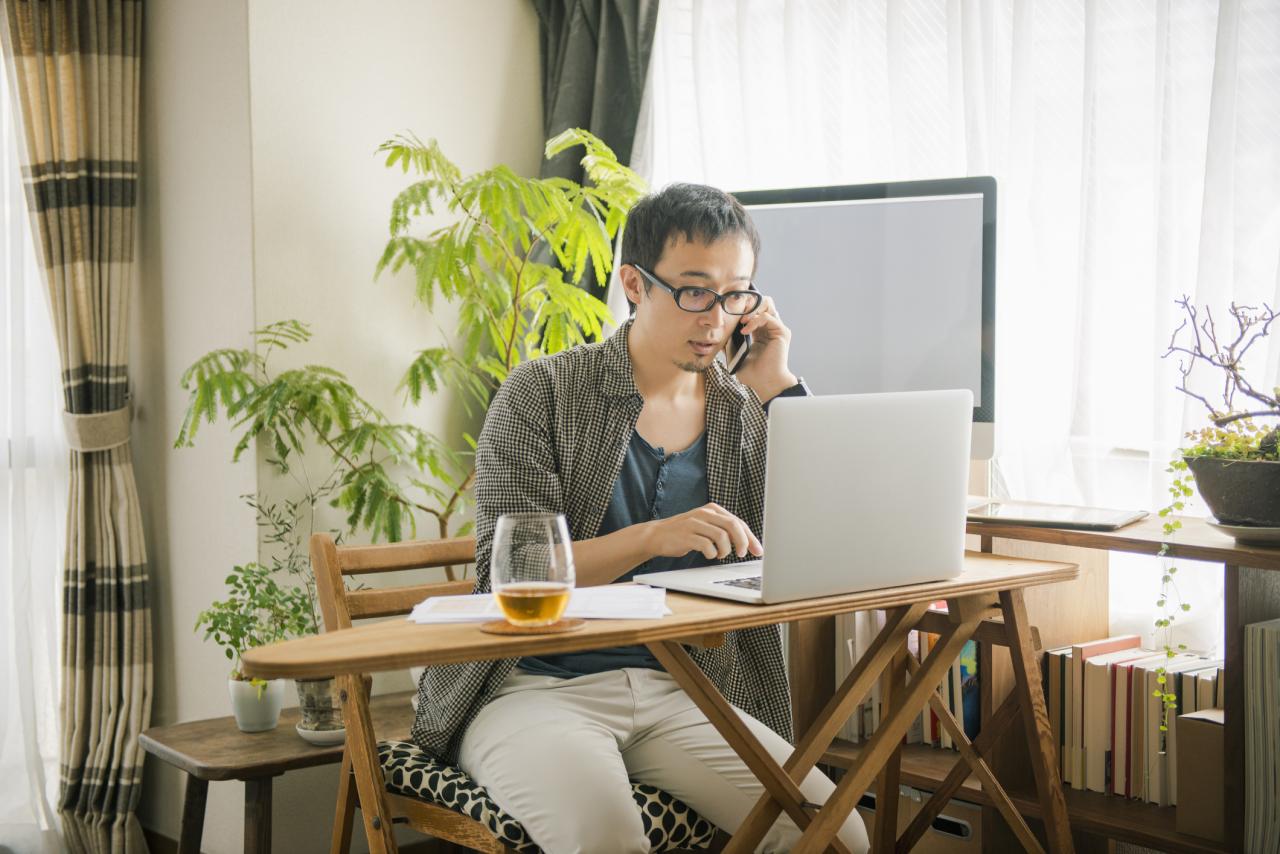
(735, 354)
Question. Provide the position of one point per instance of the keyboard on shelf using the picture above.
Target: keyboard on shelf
(748, 582)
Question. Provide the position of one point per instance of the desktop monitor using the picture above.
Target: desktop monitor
(886, 287)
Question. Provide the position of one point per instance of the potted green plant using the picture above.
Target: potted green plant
(257, 611)
(511, 261)
(286, 527)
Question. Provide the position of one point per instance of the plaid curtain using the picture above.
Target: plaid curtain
(74, 68)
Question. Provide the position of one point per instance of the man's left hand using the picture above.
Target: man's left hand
(765, 369)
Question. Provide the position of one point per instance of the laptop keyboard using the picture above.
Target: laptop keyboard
(747, 582)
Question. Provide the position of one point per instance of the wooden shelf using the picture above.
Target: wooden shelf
(1136, 822)
(1197, 540)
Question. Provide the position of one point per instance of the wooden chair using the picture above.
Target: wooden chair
(377, 776)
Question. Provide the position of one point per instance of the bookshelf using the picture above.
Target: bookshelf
(1072, 612)
(924, 767)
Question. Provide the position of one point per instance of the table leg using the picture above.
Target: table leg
(344, 815)
(818, 737)
(725, 719)
(992, 731)
(257, 815)
(885, 832)
(193, 815)
(822, 830)
(1035, 722)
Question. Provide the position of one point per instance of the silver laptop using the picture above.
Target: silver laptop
(862, 491)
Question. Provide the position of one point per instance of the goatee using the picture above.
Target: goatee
(694, 367)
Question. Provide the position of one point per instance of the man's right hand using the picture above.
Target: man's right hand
(709, 529)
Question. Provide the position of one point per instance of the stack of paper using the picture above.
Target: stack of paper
(606, 602)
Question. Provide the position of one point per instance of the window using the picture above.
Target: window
(33, 502)
(1137, 150)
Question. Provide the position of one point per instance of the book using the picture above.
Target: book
(970, 694)
(1207, 689)
(1055, 666)
(928, 733)
(1125, 733)
(1099, 704)
(957, 693)
(1079, 654)
(854, 634)
(1158, 779)
(1262, 736)
(1138, 727)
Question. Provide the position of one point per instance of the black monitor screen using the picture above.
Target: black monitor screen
(886, 287)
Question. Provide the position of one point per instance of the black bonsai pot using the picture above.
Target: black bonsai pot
(1239, 492)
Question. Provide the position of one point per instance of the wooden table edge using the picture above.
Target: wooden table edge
(274, 661)
(312, 757)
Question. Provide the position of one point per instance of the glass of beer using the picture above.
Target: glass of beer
(532, 567)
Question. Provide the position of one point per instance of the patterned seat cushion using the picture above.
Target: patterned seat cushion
(669, 824)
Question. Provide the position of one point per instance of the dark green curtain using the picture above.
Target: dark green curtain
(595, 55)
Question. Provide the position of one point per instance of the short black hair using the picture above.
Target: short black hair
(695, 211)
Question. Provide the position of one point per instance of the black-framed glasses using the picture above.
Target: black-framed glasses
(697, 299)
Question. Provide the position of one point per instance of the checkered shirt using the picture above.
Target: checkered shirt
(554, 440)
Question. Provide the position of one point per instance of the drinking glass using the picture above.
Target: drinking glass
(532, 567)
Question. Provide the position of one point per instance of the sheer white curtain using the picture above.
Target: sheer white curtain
(33, 502)
(1137, 149)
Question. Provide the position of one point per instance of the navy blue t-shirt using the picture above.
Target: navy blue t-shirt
(651, 485)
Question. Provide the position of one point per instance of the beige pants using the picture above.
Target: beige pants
(559, 754)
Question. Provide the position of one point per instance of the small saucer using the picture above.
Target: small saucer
(1249, 534)
(322, 737)
(502, 627)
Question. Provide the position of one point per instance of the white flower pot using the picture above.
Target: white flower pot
(256, 710)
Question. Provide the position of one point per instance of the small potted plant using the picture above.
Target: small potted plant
(257, 611)
(1233, 461)
(287, 526)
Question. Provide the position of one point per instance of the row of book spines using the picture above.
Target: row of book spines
(1106, 709)
(952, 691)
(927, 729)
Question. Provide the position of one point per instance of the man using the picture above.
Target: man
(656, 456)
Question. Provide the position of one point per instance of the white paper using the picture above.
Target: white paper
(456, 609)
(618, 602)
(606, 602)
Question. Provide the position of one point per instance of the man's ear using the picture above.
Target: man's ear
(632, 283)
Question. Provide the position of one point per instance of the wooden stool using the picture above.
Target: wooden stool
(215, 749)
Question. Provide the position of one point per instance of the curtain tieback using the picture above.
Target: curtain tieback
(99, 431)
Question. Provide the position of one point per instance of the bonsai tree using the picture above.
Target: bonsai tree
(1232, 433)
(510, 261)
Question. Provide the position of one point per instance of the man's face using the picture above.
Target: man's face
(691, 340)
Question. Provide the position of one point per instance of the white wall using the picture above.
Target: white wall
(464, 73)
(262, 199)
(196, 293)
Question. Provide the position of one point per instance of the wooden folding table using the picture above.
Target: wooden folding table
(985, 601)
